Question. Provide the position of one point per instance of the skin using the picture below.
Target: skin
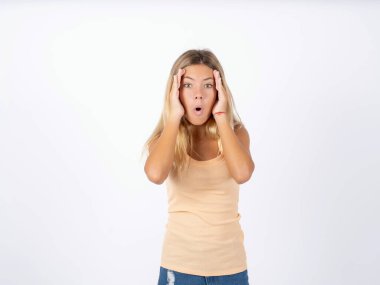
(184, 96)
(198, 89)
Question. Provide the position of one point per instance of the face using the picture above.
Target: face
(197, 93)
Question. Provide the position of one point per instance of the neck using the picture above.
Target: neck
(199, 132)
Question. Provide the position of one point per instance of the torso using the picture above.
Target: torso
(205, 149)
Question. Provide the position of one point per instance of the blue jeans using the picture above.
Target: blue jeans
(171, 277)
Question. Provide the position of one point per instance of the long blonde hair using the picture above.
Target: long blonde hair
(184, 143)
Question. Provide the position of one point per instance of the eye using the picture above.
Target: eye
(210, 85)
(185, 84)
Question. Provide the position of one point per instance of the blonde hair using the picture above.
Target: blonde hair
(184, 143)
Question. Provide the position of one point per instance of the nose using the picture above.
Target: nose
(198, 95)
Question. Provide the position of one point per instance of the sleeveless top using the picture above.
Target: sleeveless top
(203, 235)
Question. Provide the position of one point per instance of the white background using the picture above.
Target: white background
(82, 86)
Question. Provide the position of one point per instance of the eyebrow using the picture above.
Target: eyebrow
(193, 78)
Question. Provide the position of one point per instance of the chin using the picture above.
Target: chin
(197, 121)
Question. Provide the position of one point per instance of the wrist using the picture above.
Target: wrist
(219, 113)
(220, 117)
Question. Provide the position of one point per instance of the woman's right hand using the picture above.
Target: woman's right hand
(176, 107)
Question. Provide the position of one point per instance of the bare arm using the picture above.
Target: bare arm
(236, 150)
(161, 150)
(161, 154)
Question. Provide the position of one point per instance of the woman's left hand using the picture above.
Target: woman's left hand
(221, 100)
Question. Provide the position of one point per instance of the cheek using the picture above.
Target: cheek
(183, 97)
(212, 96)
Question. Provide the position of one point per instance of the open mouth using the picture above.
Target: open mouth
(198, 111)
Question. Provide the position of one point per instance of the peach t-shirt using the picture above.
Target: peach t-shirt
(203, 234)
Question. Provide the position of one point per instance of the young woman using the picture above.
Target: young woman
(200, 148)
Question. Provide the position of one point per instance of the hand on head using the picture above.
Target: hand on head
(176, 107)
(221, 101)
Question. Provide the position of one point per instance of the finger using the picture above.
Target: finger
(217, 79)
(175, 82)
(180, 73)
(178, 78)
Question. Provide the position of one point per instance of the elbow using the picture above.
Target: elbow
(158, 182)
(242, 179)
(245, 174)
(154, 176)
(156, 179)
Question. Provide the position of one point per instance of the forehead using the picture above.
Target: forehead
(198, 71)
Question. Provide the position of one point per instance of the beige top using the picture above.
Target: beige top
(203, 234)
